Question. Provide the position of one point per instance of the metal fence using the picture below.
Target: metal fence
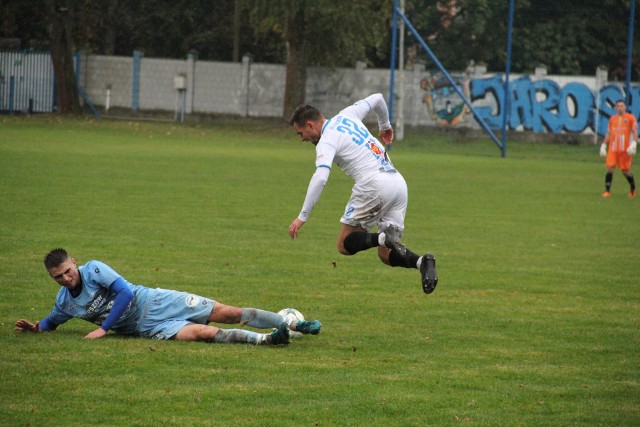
(117, 85)
(26, 82)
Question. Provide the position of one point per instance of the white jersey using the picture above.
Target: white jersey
(347, 142)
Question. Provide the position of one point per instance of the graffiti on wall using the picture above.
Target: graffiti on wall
(443, 103)
(543, 105)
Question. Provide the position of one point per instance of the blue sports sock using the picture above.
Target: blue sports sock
(260, 318)
(237, 336)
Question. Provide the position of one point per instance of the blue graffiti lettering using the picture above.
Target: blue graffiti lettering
(545, 112)
(543, 105)
(582, 100)
(486, 89)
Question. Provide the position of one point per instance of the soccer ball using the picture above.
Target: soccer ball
(291, 314)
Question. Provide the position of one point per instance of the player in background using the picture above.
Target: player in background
(96, 293)
(379, 195)
(621, 138)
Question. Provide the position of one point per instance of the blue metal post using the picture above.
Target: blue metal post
(394, 42)
(507, 94)
(135, 85)
(632, 10)
(448, 77)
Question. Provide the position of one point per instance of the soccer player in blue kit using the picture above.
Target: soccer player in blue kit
(379, 195)
(96, 293)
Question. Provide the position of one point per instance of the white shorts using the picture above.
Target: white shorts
(380, 202)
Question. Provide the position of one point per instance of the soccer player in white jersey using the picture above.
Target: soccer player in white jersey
(96, 293)
(379, 195)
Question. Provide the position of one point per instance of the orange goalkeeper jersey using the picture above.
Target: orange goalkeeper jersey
(620, 128)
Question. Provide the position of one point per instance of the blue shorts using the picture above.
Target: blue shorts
(166, 312)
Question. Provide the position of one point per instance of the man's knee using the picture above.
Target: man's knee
(342, 249)
(356, 242)
(222, 313)
(193, 332)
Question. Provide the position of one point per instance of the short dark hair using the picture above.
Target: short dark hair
(621, 100)
(305, 113)
(55, 257)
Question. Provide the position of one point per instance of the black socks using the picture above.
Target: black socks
(632, 182)
(360, 241)
(410, 259)
(609, 177)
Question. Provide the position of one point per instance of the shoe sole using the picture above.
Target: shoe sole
(311, 330)
(430, 276)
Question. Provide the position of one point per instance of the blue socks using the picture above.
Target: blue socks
(261, 319)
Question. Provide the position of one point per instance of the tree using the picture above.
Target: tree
(61, 15)
(296, 77)
(321, 33)
(567, 36)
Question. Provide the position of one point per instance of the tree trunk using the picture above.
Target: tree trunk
(60, 24)
(294, 91)
(110, 31)
(236, 31)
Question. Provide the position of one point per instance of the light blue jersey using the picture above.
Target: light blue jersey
(96, 299)
(152, 313)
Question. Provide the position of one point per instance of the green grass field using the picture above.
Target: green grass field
(535, 321)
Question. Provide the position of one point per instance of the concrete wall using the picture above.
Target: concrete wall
(539, 103)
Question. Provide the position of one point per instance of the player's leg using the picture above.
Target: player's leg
(425, 263)
(625, 167)
(183, 316)
(213, 334)
(258, 318)
(253, 317)
(363, 212)
(353, 239)
(194, 332)
(608, 178)
(632, 183)
(392, 218)
(610, 164)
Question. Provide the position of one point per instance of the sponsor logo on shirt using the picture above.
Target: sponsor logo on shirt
(373, 147)
(192, 300)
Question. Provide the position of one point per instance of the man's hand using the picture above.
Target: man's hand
(98, 333)
(26, 326)
(295, 227)
(603, 150)
(386, 135)
(632, 148)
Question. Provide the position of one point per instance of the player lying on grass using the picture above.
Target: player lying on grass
(96, 293)
(379, 196)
